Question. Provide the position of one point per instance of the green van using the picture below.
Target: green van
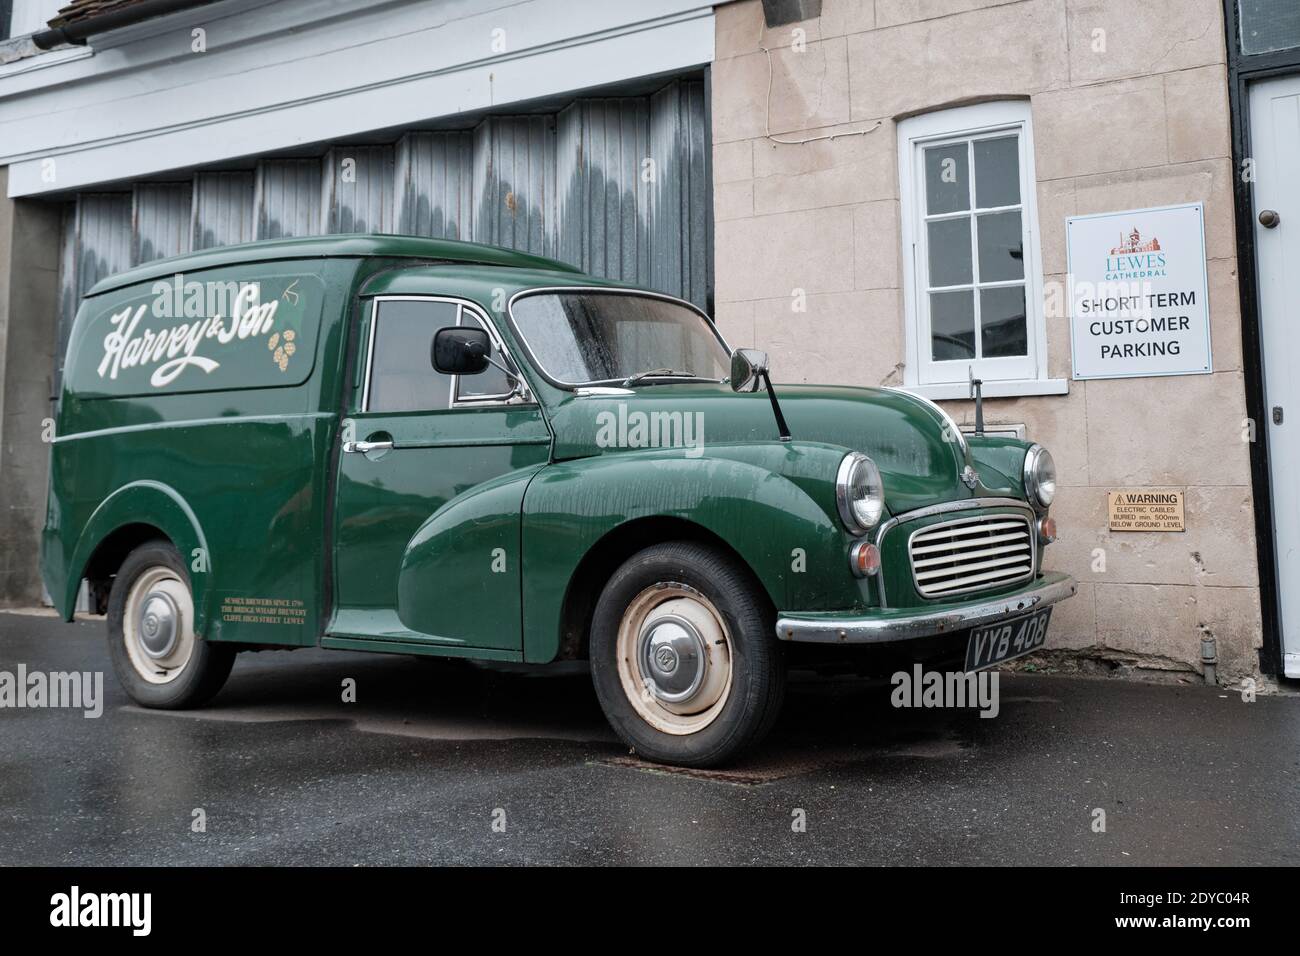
(427, 447)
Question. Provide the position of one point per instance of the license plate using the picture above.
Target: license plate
(1006, 640)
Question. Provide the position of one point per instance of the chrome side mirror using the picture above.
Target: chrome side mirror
(748, 371)
(747, 367)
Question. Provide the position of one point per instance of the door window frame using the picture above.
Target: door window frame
(517, 397)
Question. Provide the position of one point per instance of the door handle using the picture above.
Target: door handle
(1269, 218)
(366, 446)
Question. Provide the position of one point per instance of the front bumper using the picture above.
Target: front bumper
(901, 624)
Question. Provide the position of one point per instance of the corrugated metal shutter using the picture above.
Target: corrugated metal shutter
(287, 195)
(103, 237)
(160, 220)
(679, 204)
(606, 168)
(514, 183)
(223, 209)
(435, 185)
(69, 287)
(357, 191)
(96, 243)
(616, 185)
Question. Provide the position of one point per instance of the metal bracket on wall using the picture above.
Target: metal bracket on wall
(778, 13)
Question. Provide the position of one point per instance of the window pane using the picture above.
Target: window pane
(402, 377)
(950, 260)
(1268, 25)
(1003, 331)
(490, 381)
(952, 325)
(594, 336)
(947, 188)
(1001, 243)
(997, 172)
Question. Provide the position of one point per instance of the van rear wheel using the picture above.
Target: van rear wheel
(683, 656)
(158, 658)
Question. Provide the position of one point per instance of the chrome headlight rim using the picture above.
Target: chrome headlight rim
(1034, 459)
(844, 504)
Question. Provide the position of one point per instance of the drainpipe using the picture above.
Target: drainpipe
(77, 31)
(1209, 658)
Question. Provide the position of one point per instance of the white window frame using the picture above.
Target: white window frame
(1001, 376)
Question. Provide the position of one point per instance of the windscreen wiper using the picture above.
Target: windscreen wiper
(656, 372)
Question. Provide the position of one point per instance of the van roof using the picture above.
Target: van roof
(354, 245)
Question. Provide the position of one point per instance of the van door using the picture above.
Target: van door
(1275, 135)
(414, 440)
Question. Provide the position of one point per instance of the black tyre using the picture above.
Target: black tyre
(156, 654)
(684, 658)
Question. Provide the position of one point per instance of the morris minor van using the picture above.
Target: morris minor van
(425, 447)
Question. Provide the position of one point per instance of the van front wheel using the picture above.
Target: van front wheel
(683, 656)
(156, 654)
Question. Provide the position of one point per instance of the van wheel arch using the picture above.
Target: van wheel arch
(110, 553)
(134, 513)
(609, 553)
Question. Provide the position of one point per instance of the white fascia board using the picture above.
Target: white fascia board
(11, 73)
(352, 84)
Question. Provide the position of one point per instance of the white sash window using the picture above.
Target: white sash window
(973, 271)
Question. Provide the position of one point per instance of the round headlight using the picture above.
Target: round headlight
(1040, 475)
(859, 493)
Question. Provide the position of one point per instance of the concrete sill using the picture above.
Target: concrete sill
(1018, 388)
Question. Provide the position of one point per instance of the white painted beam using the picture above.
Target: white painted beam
(144, 104)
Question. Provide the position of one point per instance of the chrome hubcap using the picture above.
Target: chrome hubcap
(673, 658)
(157, 627)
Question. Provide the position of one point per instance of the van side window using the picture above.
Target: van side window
(491, 382)
(402, 377)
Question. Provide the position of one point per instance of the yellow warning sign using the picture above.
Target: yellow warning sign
(1146, 510)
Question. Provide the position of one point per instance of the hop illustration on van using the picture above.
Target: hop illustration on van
(282, 347)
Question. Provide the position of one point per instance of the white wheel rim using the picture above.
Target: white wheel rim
(158, 625)
(674, 658)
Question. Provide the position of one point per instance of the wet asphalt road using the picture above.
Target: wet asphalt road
(432, 753)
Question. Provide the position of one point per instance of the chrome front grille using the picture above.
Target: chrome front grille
(971, 554)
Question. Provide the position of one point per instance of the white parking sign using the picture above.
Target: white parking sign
(1138, 293)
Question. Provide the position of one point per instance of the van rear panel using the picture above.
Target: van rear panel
(205, 406)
